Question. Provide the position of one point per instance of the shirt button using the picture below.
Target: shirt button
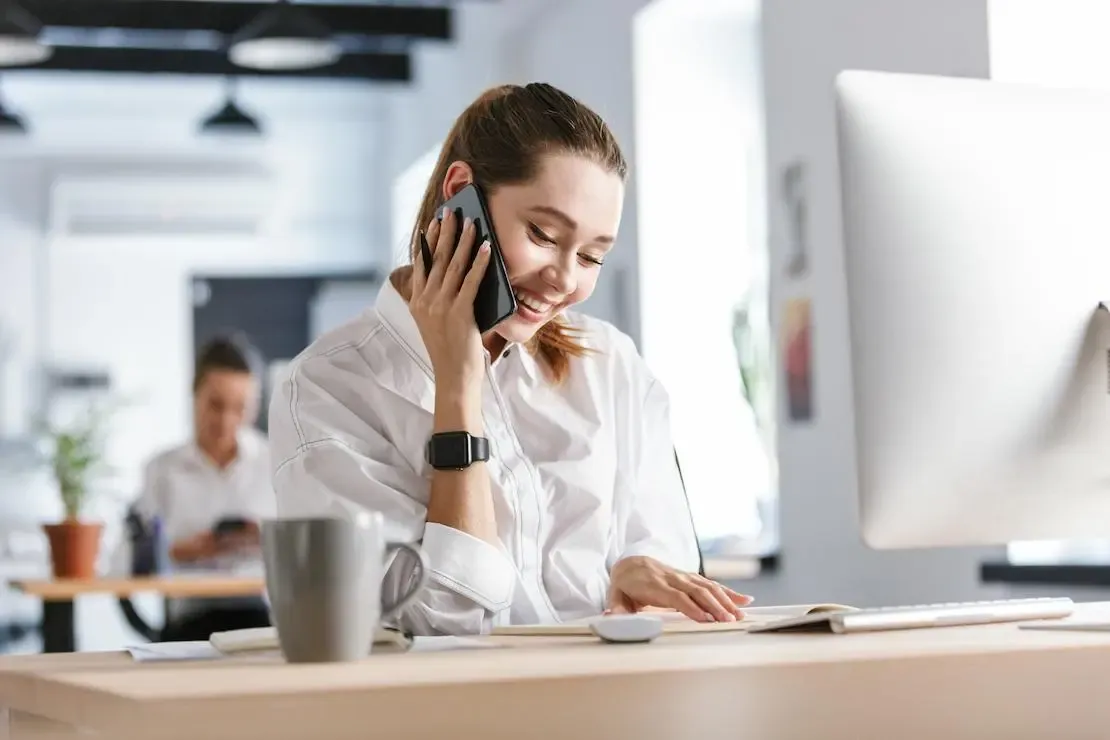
(506, 354)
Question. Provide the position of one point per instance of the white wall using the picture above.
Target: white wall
(21, 222)
(805, 44)
(408, 191)
(446, 79)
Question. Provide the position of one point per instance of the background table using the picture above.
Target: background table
(58, 630)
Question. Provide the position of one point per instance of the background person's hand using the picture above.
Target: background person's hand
(442, 304)
(638, 582)
(248, 537)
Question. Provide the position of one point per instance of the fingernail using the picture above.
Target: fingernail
(443, 214)
(485, 247)
(467, 223)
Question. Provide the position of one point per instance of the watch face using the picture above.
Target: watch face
(450, 450)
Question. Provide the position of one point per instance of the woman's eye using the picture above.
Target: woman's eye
(538, 234)
(591, 260)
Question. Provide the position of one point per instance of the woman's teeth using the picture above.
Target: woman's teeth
(533, 304)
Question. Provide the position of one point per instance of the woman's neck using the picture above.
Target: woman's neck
(220, 455)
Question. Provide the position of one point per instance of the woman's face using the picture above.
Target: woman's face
(555, 233)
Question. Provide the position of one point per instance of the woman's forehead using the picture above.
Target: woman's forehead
(577, 187)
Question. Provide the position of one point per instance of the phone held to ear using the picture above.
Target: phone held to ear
(495, 301)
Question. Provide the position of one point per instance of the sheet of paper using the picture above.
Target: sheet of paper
(167, 651)
(433, 644)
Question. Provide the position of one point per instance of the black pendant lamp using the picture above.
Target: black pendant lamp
(231, 119)
(19, 37)
(283, 37)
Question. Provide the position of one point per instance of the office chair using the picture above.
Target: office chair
(690, 512)
(143, 563)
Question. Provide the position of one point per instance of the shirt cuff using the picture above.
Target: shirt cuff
(469, 566)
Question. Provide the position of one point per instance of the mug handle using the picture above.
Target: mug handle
(391, 610)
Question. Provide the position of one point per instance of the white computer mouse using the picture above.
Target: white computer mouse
(627, 627)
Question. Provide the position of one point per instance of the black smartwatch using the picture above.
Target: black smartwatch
(456, 450)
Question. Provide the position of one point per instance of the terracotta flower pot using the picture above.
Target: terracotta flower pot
(74, 546)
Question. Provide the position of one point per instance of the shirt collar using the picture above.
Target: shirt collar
(248, 445)
(395, 314)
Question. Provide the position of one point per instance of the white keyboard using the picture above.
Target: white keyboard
(923, 615)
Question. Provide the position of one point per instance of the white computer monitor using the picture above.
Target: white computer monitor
(977, 252)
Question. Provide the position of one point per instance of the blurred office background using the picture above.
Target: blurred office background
(133, 225)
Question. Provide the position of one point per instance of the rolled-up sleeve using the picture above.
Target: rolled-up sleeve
(338, 470)
(658, 521)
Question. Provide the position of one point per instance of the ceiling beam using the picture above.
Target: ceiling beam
(228, 17)
(378, 67)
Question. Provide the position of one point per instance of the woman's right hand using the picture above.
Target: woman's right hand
(442, 304)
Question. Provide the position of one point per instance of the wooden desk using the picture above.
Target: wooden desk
(58, 596)
(962, 682)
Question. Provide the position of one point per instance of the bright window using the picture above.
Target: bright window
(703, 259)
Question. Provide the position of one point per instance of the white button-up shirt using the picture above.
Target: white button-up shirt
(582, 474)
(190, 493)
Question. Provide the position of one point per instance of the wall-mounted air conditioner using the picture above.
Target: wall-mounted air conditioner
(166, 203)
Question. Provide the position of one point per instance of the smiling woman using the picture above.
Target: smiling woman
(535, 462)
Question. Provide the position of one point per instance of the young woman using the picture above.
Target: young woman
(571, 503)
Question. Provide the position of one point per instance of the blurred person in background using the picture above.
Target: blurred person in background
(209, 493)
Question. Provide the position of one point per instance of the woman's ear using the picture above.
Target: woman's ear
(458, 176)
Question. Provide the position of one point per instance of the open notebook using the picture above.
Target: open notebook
(677, 622)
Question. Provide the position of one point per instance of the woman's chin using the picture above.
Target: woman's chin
(516, 330)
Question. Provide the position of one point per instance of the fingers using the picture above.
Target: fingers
(729, 598)
(708, 595)
(421, 266)
(438, 231)
(449, 259)
(705, 598)
(469, 290)
(620, 605)
(684, 603)
(738, 598)
(460, 259)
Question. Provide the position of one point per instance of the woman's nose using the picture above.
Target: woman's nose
(560, 277)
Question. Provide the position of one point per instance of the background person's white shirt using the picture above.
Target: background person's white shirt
(189, 493)
(582, 474)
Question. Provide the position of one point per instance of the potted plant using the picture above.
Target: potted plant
(76, 457)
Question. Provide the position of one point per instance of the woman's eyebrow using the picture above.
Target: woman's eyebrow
(569, 222)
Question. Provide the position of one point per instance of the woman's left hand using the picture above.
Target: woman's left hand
(638, 582)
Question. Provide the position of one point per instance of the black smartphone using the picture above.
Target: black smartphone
(229, 525)
(495, 301)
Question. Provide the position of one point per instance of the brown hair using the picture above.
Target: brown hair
(229, 353)
(502, 136)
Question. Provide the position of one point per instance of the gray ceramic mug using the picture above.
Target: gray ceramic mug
(324, 584)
